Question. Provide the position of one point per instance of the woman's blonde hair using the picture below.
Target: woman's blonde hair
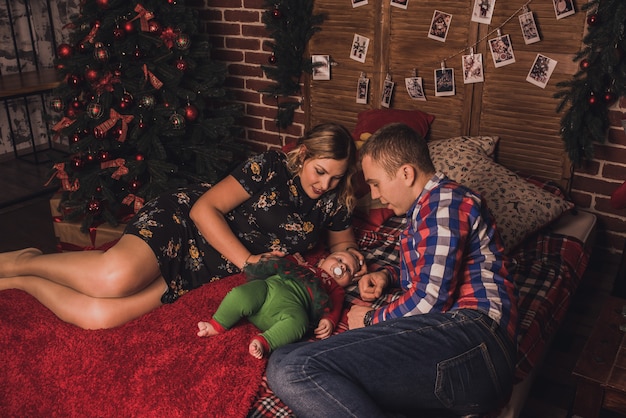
(328, 140)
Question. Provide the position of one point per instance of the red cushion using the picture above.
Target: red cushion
(369, 121)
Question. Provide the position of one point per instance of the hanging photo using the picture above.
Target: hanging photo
(529, 28)
(473, 68)
(563, 8)
(387, 93)
(502, 51)
(359, 48)
(439, 26)
(540, 72)
(321, 71)
(358, 3)
(483, 11)
(414, 88)
(362, 90)
(444, 82)
(402, 4)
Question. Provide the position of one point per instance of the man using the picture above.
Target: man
(447, 345)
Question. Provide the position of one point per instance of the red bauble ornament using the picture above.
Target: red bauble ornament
(276, 13)
(272, 59)
(592, 100)
(77, 162)
(129, 26)
(64, 51)
(103, 4)
(91, 158)
(116, 133)
(57, 104)
(584, 64)
(139, 157)
(134, 185)
(98, 133)
(592, 19)
(104, 155)
(609, 97)
(154, 27)
(77, 104)
(101, 53)
(91, 75)
(71, 113)
(181, 65)
(137, 53)
(75, 137)
(191, 112)
(177, 121)
(73, 80)
(182, 42)
(141, 124)
(94, 206)
(95, 110)
(126, 101)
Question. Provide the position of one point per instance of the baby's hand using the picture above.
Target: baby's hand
(324, 329)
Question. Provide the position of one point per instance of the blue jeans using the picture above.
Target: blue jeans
(454, 363)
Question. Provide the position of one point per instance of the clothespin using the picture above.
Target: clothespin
(443, 65)
(414, 72)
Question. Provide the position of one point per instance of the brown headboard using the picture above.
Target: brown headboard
(505, 104)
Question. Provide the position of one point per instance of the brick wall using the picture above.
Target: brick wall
(238, 35)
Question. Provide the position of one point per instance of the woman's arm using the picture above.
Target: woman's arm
(208, 215)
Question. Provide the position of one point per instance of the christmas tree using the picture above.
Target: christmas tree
(599, 82)
(143, 107)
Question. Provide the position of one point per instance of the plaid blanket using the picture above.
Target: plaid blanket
(547, 271)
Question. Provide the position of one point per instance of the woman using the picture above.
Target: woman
(272, 204)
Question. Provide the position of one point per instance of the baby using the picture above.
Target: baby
(283, 296)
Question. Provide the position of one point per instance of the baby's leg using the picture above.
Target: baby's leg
(256, 348)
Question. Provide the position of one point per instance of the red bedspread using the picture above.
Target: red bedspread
(547, 271)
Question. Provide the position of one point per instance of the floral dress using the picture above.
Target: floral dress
(279, 216)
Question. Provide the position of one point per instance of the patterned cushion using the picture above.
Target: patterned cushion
(518, 206)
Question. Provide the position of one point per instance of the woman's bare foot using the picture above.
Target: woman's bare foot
(9, 260)
(206, 329)
(256, 348)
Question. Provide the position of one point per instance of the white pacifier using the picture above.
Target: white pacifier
(337, 271)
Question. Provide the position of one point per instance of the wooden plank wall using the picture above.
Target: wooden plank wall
(522, 114)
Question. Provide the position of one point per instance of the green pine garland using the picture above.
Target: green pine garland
(600, 81)
(291, 23)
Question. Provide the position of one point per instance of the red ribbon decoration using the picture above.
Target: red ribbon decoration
(113, 118)
(169, 36)
(92, 33)
(62, 175)
(130, 198)
(156, 83)
(60, 125)
(106, 83)
(121, 170)
(144, 17)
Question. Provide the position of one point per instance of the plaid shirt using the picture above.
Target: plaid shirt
(451, 258)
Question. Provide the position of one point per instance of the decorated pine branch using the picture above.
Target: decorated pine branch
(599, 82)
(143, 107)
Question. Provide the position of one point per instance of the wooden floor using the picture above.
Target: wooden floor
(25, 221)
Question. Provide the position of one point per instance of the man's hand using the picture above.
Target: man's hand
(356, 315)
(371, 285)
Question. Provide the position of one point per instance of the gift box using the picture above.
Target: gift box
(71, 238)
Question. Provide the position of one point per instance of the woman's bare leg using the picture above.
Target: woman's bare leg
(126, 268)
(85, 311)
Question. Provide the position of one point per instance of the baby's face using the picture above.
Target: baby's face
(342, 266)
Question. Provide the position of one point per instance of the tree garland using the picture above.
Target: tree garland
(291, 23)
(599, 82)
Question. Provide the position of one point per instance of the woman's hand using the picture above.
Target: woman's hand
(372, 285)
(363, 268)
(255, 258)
(324, 329)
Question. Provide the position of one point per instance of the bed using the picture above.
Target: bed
(156, 366)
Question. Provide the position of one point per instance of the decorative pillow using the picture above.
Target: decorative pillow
(518, 206)
(369, 121)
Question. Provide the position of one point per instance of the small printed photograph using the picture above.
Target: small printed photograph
(501, 51)
(387, 93)
(483, 11)
(321, 67)
(439, 26)
(540, 72)
(473, 68)
(402, 4)
(414, 88)
(358, 3)
(529, 28)
(444, 82)
(563, 8)
(359, 48)
(362, 90)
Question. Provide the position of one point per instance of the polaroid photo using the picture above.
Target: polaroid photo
(321, 67)
(414, 88)
(473, 68)
(362, 90)
(358, 3)
(483, 11)
(444, 82)
(529, 28)
(359, 48)
(501, 51)
(439, 26)
(402, 4)
(563, 8)
(540, 72)
(387, 93)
